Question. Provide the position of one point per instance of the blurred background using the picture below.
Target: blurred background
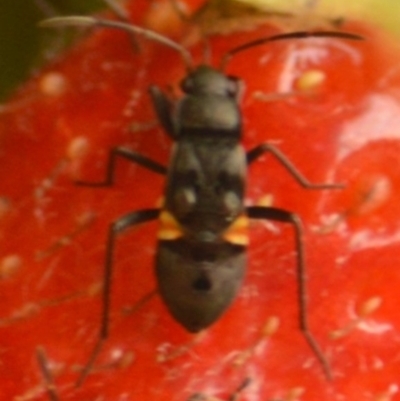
(24, 47)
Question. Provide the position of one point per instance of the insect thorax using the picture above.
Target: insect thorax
(206, 184)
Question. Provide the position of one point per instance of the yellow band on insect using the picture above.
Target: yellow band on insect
(170, 229)
(237, 232)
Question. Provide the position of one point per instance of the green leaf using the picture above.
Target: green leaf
(22, 43)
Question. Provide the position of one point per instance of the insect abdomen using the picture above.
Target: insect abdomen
(199, 281)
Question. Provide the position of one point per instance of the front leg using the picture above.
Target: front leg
(283, 216)
(163, 109)
(259, 150)
(129, 155)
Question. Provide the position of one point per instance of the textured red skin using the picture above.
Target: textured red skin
(348, 132)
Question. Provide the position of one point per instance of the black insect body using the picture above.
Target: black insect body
(200, 259)
(203, 234)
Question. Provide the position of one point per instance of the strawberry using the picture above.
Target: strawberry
(329, 104)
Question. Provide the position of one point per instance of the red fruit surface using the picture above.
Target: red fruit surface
(59, 128)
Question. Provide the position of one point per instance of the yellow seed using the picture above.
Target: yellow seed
(369, 306)
(53, 84)
(271, 326)
(10, 265)
(310, 80)
(265, 200)
(78, 148)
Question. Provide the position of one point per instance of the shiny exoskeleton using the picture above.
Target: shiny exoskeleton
(200, 259)
(203, 234)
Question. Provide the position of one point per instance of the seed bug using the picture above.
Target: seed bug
(203, 234)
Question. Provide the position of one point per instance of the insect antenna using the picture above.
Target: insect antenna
(92, 22)
(285, 36)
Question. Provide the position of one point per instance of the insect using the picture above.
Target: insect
(203, 224)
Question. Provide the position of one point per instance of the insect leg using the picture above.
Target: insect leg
(280, 215)
(259, 150)
(116, 228)
(49, 382)
(129, 155)
(162, 107)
